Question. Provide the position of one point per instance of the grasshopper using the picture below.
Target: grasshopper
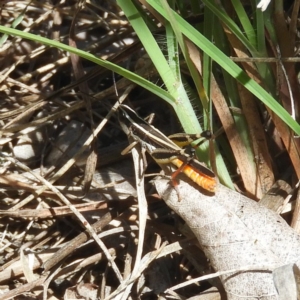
(165, 150)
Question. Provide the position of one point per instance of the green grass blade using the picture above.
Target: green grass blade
(245, 22)
(106, 64)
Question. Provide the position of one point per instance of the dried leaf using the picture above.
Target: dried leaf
(235, 233)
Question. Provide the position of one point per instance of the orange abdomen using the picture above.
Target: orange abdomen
(204, 181)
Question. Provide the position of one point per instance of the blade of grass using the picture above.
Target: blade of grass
(208, 28)
(106, 64)
(245, 22)
(173, 54)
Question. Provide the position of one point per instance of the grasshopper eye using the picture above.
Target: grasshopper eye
(206, 134)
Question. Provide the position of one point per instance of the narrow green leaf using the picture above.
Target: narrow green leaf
(106, 64)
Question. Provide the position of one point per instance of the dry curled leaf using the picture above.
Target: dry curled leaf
(236, 234)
